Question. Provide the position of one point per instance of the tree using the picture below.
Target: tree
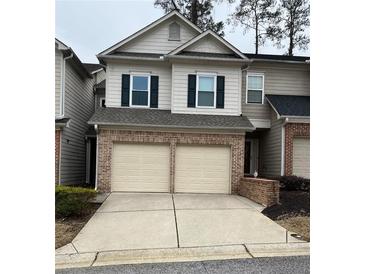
(261, 16)
(197, 11)
(295, 20)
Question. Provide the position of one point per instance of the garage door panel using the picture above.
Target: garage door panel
(202, 169)
(141, 167)
(301, 157)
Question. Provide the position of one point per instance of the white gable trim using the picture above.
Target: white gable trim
(202, 35)
(147, 28)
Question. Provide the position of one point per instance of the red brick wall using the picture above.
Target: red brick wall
(106, 138)
(262, 191)
(57, 154)
(293, 130)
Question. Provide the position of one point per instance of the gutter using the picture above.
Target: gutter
(250, 129)
(130, 58)
(279, 61)
(63, 82)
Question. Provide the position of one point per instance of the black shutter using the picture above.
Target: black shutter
(154, 92)
(125, 90)
(191, 90)
(220, 92)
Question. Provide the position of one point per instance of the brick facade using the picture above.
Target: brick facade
(262, 191)
(57, 155)
(293, 130)
(107, 137)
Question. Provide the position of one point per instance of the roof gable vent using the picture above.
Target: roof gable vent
(174, 31)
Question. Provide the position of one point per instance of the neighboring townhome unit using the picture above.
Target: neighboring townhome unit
(74, 105)
(172, 121)
(276, 99)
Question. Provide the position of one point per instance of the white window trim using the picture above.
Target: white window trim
(263, 87)
(208, 74)
(100, 101)
(148, 89)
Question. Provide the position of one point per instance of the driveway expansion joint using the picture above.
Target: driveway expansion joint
(248, 251)
(96, 257)
(177, 231)
(74, 247)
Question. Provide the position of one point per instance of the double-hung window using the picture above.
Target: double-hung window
(140, 90)
(255, 88)
(206, 90)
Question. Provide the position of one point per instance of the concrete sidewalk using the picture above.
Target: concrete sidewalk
(71, 259)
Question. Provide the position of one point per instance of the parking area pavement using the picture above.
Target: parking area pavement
(131, 221)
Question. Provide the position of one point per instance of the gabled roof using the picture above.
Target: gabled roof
(77, 64)
(290, 105)
(148, 27)
(201, 36)
(93, 68)
(273, 57)
(164, 118)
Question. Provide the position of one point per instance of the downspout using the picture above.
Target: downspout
(283, 145)
(97, 157)
(63, 84)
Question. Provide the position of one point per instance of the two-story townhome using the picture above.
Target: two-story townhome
(74, 105)
(176, 115)
(276, 99)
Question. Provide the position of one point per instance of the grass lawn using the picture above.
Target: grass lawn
(68, 228)
(293, 212)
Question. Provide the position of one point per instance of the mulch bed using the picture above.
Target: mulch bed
(292, 203)
(68, 228)
(293, 212)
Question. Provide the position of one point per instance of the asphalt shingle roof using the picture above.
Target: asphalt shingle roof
(277, 57)
(288, 105)
(164, 118)
(92, 67)
(100, 85)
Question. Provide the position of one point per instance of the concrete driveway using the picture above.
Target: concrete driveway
(127, 221)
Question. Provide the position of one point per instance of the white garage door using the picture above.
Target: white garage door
(202, 169)
(141, 168)
(301, 157)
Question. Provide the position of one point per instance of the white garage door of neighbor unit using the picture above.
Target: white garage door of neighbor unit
(301, 157)
(202, 169)
(141, 167)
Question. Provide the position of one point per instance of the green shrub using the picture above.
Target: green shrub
(292, 183)
(73, 200)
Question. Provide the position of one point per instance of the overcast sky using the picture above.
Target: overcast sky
(90, 26)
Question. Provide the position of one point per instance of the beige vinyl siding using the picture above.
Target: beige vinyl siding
(281, 79)
(114, 81)
(232, 88)
(156, 40)
(202, 169)
(79, 106)
(58, 79)
(271, 149)
(141, 167)
(99, 76)
(208, 44)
